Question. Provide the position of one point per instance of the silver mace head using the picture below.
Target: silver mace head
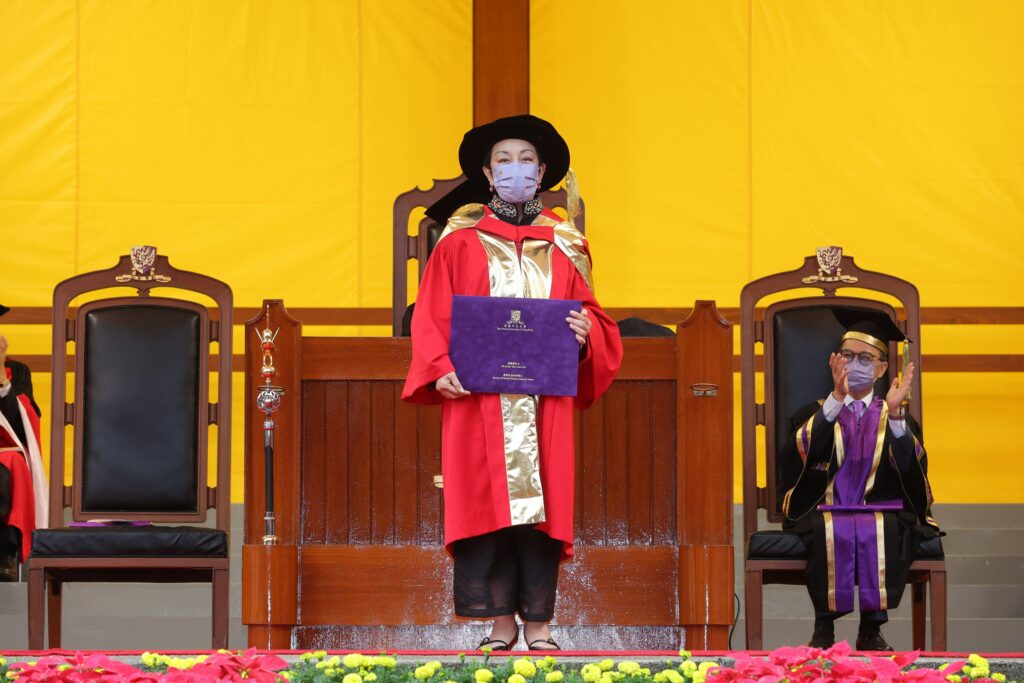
(269, 398)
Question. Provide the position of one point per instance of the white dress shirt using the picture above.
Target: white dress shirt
(832, 406)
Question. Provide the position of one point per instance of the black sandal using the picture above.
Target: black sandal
(549, 641)
(502, 645)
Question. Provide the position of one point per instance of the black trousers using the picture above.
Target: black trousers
(508, 571)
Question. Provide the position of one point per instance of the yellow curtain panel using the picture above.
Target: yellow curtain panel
(717, 142)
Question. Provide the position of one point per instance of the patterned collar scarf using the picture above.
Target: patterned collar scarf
(509, 213)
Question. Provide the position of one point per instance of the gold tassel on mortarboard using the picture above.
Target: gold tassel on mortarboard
(572, 197)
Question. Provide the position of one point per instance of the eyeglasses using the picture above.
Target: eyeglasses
(864, 358)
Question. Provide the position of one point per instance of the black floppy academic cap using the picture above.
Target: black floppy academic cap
(3, 309)
(476, 147)
(869, 325)
(464, 193)
(638, 327)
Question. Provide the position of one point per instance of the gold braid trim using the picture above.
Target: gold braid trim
(466, 216)
(867, 339)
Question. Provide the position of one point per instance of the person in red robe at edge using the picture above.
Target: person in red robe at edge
(507, 461)
(23, 493)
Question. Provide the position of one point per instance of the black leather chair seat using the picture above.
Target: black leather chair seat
(785, 545)
(930, 549)
(130, 541)
(776, 545)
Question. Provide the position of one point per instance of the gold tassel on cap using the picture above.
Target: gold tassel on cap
(572, 197)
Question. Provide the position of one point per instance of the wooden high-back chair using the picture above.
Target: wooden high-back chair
(419, 246)
(140, 420)
(797, 335)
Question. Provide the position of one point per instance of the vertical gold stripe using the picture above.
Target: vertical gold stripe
(511, 278)
(840, 447)
(883, 421)
(570, 242)
(809, 429)
(880, 541)
(522, 471)
(506, 278)
(536, 266)
(830, 558)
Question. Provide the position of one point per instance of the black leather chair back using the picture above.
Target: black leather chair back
(143, 384)
(799, 336)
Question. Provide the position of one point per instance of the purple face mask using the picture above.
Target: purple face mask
(516, 182)
(859, 377)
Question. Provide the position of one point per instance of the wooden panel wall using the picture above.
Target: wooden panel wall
(368, 465)
(360, 511)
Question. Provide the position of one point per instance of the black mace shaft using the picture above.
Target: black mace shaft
(268, 451)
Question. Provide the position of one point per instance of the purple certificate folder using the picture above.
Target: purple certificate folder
(514, 346)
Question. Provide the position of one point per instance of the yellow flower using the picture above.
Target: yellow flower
(953, 678)
(319, 654)
(12, 675)
(591, 673)
(706, 667)
(685, 654)
(352, 678)
(688, 667)
(369, 677)
(1000, 678)
(435, 666)
(547, 663)
(699, 678)
(353, 660)
(524, 667)
(386, 662)
(673, 676)
(286, 676)
(606, 665)
(148, 658)
(516, 678)
(2, 661)
(628, 667)
(976, 660)
(554, 677)
(423, 672)
(332, 672)
(483, 675)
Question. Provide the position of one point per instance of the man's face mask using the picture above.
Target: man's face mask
(859, 377)
(516, 182)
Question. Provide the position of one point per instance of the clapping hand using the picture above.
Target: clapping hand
(839, 373)
(450, 387)
(899, 389)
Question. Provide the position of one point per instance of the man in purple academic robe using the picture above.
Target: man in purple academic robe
(854, 484)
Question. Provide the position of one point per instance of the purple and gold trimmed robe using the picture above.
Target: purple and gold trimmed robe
(860, 498)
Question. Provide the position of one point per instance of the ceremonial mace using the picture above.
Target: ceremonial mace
(268, 400)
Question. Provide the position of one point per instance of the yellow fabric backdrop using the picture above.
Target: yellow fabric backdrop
(264, 142)
(717, 142)
(261, 142)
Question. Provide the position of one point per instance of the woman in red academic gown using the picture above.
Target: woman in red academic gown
(507, 460)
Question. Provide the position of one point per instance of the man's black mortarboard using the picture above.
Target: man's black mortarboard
(476, 148)
(3, 309)
(870, 326)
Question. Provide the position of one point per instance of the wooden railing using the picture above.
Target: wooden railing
(937, 315)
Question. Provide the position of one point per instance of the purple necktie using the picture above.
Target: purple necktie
(858, 409)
